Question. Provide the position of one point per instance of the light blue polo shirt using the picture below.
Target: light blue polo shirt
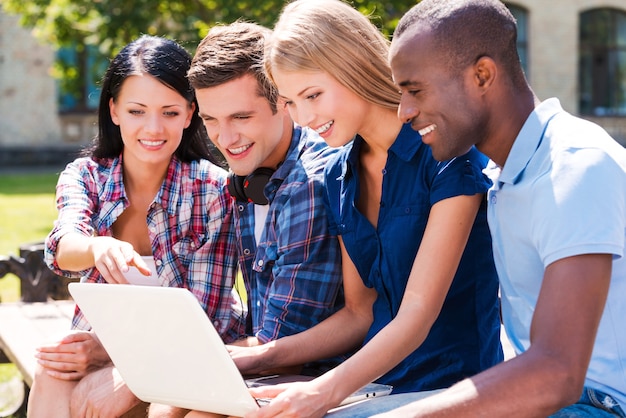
(562, 192)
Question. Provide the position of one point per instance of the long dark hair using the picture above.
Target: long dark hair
(168, 62)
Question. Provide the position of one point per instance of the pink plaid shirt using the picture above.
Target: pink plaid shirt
(190, 227)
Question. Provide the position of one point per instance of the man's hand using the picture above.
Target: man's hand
(102, 394)
(73, 357)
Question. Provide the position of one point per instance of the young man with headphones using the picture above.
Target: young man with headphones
(290, 263)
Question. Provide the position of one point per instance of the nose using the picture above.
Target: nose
(407, 110)
(224, 135)
(154, 124)
(302, 116)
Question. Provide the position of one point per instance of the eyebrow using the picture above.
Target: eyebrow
(305, 89)
(406, 83)
(145, 105)
(232, 115)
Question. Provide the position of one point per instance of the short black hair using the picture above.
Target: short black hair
(465, 30)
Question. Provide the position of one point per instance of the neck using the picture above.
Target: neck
(280, 152)
(381, 128)
(505, 124)
(143, 178)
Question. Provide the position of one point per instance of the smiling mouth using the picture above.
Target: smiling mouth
(427, 129)
(239, 150)
(154, 143)
(325, 127)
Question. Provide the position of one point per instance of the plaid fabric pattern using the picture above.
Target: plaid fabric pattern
(189, 222)
(293, 277)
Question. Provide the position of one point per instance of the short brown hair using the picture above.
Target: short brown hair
(231, 51)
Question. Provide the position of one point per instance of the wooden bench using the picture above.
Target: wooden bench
(43, 314)
(26, 326)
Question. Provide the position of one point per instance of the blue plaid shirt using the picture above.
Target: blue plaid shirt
(189, 222)
(293, 278)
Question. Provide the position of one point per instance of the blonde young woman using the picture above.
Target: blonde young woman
(419, 279)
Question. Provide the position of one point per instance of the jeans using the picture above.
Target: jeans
(375, 406)
(592, 403)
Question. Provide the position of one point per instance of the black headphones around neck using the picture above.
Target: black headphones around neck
(250, 188)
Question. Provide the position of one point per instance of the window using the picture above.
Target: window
(78, 89)
(521, 15)
(602, 66)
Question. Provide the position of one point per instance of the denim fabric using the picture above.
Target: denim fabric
(592, 403)
(375, 406)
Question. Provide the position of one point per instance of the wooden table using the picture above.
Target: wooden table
(26, 326)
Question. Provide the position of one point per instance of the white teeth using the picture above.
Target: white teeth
(151, 143)
(239, 150)
(427, 129)
(324, 127)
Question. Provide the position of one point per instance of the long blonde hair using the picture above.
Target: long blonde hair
(332, 36)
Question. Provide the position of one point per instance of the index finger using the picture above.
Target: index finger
(141, 265)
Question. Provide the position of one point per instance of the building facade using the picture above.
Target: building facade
(576, 51)
(571, 49)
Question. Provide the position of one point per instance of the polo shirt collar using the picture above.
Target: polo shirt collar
(528, 140)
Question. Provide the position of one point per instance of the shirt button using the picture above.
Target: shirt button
(494, 199)
(153, 229)
(216, 323)
(384, 171)
(260, 263)
(158, 262)
(407, 210)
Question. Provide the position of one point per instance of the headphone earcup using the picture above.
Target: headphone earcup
(254, 185)
(235, 187)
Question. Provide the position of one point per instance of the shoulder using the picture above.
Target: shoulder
(580, 146)
(88, 169)
(203, 171)
(315, 153)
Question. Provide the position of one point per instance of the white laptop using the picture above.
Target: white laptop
(167, 350)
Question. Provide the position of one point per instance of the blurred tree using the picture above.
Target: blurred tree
(110, 24)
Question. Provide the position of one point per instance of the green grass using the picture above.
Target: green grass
(27, 212)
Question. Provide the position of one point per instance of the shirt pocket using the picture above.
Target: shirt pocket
(185, 248)
(266, 256)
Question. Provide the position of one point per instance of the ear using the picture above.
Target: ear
(192, 110)
(113, 112)
(281, 104)
(485, 71)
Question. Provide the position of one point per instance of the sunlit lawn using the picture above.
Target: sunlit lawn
(27, 212)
